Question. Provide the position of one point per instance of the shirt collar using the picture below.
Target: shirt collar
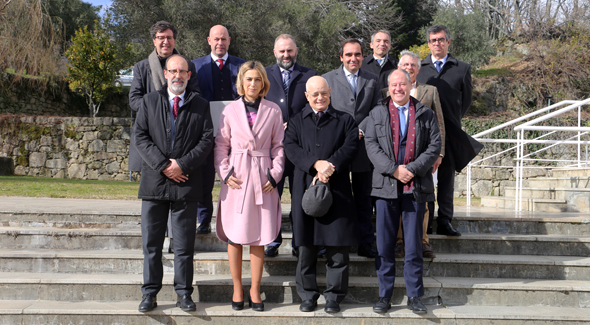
(290, 69)
(171, 95)
(215, 57)
(443, 60)
(384, 59)
(406, 106)
(348, 73)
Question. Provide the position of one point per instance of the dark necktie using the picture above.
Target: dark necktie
(220, 63)
(175, 107)
(286, 79)
(438, 65)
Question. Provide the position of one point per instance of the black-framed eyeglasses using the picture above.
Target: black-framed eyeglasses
(176, 72)
(439, 40)
(161, 38)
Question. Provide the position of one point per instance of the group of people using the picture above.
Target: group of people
(373, 129)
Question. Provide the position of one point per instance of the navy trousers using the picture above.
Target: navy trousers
(388, 214)
(205, 209)
(362, 183)
(154, 218)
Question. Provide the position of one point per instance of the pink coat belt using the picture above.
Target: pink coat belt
(247, 165)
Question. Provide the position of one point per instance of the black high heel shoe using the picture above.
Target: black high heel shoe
(256, 306)
(237, 305)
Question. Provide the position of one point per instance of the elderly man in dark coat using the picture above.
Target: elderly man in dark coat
(321, 142)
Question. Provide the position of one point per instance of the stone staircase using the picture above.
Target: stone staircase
(566, 190)
(66, 262)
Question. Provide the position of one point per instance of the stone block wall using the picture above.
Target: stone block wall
(67, 147)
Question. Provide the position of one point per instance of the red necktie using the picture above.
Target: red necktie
(175, 108)
(220, 63)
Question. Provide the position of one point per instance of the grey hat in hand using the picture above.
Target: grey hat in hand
(317, 199)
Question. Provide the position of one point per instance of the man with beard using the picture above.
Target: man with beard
(380, 62)
(174, 136)
(217, 73)
(287, 89)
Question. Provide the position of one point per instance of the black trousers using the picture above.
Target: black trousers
(446, 186)
(154, 218)
(336, 273)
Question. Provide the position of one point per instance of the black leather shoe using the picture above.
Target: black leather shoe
(271, 251)
(332, 307)
(237, 305)
(367, 250)
(204, 229)
(186, 303)
(416, 306)
(382, 306)
(308, 306)
(148, 303)
(445, 228)
(322, 252)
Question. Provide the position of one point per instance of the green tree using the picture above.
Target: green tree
(415, 14)
(71, 15)
(93, 65)
(470, 40)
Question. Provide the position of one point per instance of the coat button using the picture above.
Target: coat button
(319, 129)
(282, 100)
(317, 144)
(352, 99)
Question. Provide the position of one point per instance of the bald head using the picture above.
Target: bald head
(219, 40)
(317, 92)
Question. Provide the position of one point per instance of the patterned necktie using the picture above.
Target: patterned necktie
(438, 65)
(175, 107)
(380, 61)
(286, 79)
(220, 63)
(402, 120)
(352, 82)
(320, 114)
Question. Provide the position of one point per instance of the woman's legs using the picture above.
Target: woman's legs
(256, 265)
(234, 252)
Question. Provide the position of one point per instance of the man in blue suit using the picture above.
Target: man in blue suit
(217, 73)
(287, 89)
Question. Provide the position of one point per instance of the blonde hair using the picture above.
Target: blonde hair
(252, 65)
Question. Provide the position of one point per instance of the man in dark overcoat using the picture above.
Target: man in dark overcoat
(174, 136)
(322, 142)
(452, 78)
(380, 62)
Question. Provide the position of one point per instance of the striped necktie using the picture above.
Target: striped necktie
(286, 79)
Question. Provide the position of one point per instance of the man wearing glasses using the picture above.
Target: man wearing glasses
(174, 135)
(452, 78)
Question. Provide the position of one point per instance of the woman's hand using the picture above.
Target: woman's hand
(267, 188)
(233, 182)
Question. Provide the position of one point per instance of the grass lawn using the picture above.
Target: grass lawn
(106, 190)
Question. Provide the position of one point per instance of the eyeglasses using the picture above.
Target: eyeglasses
(182, 73)
(405, 65)
(318, 94)
(439, 40)
(161, 38)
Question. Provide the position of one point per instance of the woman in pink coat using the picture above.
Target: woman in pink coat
(249, 158)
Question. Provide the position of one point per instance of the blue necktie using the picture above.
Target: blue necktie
(352, 82)
(402, 121)
(286, 78)
(380, 62)
(438, 65)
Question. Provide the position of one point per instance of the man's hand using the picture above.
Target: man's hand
(402, 174)
(360, 134)
(436, 164)
(285, 126)
(267, 188)
(233, 182)
(174, 172)
(325, 169)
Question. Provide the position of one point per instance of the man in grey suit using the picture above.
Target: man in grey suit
(356, 92)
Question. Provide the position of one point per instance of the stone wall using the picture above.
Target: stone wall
(66, 147)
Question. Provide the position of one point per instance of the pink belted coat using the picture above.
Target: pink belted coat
(248, 216)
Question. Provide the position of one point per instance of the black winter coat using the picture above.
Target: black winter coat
(334, 138)
(378, 139)
(193, 142)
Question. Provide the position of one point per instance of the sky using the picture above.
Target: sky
(103, 3)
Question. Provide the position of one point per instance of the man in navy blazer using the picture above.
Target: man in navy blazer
(287, 89)
(217, 73)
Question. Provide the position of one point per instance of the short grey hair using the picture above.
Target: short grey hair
(410, 54)
(436, 29)
(381, 31)
(402, 70)
(285, 36)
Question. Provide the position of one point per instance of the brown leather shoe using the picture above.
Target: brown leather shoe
(427, 250)
(399, 249)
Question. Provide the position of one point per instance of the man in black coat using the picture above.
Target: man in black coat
(380, 62)
(322, 142)
(148, 76)
(287, 89)
(452, 78)
(403, 142)
(174, 135)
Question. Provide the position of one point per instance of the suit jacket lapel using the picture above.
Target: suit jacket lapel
(342, 79)
(276, 74)
(208, 76)
(420, 91)
(361, 81)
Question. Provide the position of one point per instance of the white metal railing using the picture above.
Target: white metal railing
(521, 142)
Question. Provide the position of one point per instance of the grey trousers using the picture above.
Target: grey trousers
(336, 273)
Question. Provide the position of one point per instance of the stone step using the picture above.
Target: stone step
(92, 239)
(125, 312)
(216, 263)
(281, 289)
(571, 172)
(541, 205)
(558, 182)
(578, 199)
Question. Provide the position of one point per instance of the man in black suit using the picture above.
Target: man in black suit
(452, 78)
(380, 62)
(356, 92)
(287, 89)
(217, 73)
